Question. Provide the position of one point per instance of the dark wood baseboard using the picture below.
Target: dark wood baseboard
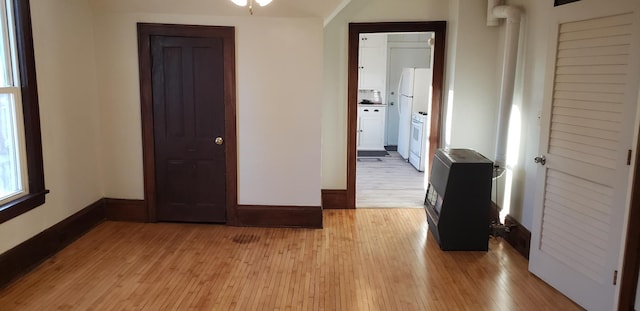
(28, 254)
(334, 199)
(519, 237)
(494, 213)
(248, 215)
(279, 216)
(126, 210)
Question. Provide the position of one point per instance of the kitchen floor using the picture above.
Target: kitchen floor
(388, 182)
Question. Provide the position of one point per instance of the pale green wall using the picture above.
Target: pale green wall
(66, 72)
(278, 79)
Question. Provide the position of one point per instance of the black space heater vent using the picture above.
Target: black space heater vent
(458, 199)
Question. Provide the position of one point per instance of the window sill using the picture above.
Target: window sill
(21, 205)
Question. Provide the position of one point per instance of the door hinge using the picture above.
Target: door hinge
(615, 277)
(629, 157)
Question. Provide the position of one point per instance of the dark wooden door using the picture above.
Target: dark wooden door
(189, 114)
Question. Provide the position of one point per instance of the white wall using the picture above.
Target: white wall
(279, 70)
(475, 76)
(334, 101)
(528, 98)
(474, 84)
(65, 66)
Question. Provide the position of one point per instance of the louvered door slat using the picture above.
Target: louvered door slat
(589, 105)
(592, 70)
(571, 212)
(586, 121)
(585, 158)
(598, 152)
(583, 130)
(588, 114)
(595, 42)
(596, 51)
(577, 203)
(580, 182)
(591, 87)
(596, 97)
(618, 30)
(596, 23)
(560, 252)
(590, 123)
(586, 140)
(565, 218)
(593, 60)
(593, 256)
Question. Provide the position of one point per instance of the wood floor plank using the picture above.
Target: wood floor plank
(364, 259)
(388, 182)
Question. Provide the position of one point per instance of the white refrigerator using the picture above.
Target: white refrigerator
(414, 87)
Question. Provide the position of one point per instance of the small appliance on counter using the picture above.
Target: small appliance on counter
(369, 97)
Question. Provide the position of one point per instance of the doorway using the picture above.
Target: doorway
(187, 87)
(393, 103)
(356, 30)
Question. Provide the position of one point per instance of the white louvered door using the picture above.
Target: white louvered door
(587, 130)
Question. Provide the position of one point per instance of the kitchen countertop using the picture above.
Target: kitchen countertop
(372, 105)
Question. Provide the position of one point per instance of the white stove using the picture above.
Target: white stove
(418, 145)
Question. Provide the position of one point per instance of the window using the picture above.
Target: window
(12, 153)
(21, 170)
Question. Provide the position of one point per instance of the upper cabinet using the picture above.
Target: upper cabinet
(372, 64)
(373, 40)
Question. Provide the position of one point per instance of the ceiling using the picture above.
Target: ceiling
(278, 8)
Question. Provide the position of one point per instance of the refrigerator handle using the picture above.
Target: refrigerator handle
(399, 95)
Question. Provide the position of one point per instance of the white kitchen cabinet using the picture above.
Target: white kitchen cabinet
(372, 62)
(373, 40)
(371, 125)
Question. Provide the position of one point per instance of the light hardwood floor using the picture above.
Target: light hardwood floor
(388, 182)
(367, 259)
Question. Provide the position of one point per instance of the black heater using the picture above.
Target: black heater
(458, 199)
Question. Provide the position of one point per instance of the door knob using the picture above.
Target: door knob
(219, 140)
(542, 160)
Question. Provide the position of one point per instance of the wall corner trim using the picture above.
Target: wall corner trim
(334, 199)
(279, 216)
(126, 210)
(519, 237)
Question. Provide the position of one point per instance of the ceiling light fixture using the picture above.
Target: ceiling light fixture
(250, 2)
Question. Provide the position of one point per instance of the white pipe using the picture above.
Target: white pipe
(512, 16)
(492, 20)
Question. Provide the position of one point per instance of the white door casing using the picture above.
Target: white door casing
(586, 131)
